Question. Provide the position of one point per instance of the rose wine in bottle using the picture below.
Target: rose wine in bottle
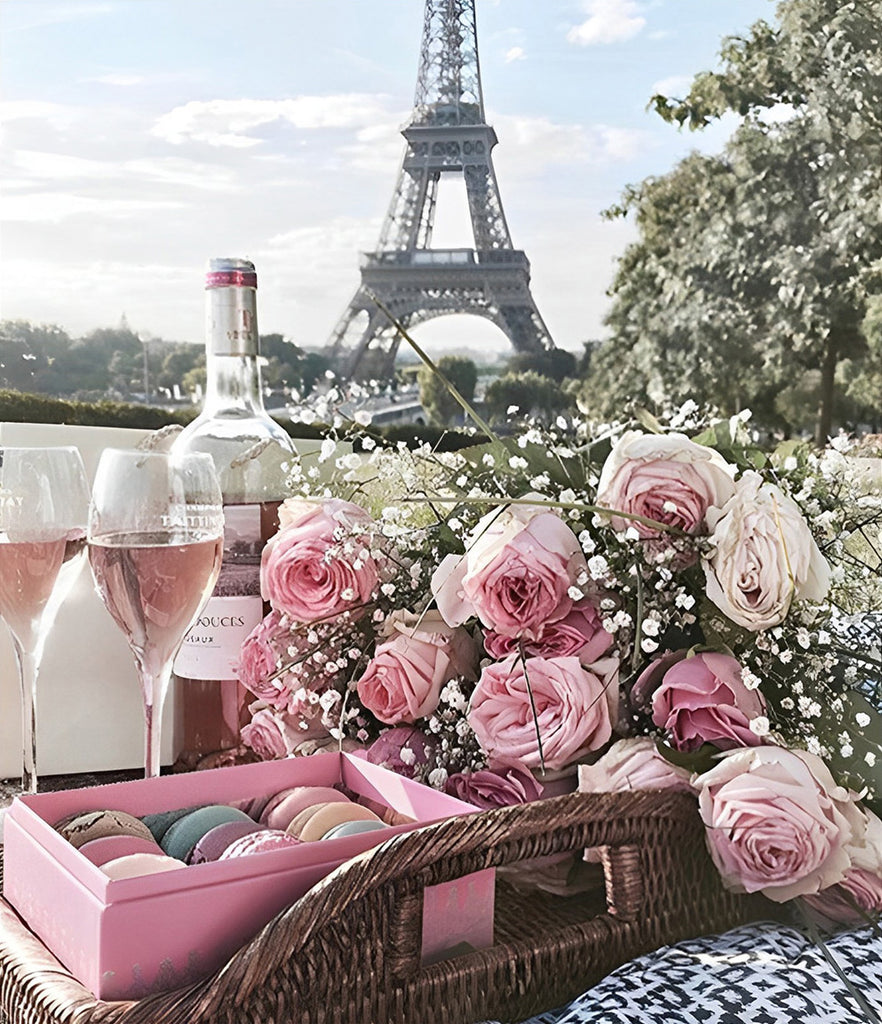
(253, 456)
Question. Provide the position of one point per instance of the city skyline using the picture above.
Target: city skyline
(142, 137)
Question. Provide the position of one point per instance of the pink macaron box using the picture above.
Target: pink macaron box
(124, 938)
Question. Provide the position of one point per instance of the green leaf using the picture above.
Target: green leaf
(646, 420)
(699, 761)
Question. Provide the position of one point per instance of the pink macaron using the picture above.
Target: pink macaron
(267, 840)
(286, 805)
(100, 851)
(212, 845)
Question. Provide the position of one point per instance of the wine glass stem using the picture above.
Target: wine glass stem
(154, 689)
(28, 659)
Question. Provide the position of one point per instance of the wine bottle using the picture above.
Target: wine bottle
(253, 456)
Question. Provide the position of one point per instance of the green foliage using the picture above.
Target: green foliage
(16, 407)
(862, 380)
(415, 435)
(441, 407)
(288, 365)
(756, 266)
(555, 363)
(44, 359)
(530, 393)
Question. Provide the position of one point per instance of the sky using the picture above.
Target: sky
(142, 137)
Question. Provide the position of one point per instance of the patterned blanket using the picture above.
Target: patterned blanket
(760, 974)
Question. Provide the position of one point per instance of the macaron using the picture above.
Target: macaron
(136, 864)
(100, 851)
(287, 804)
(160, 823)
(314, 822)
(252, 805)
(265, 841)
(79, 829)
(185, 833)
(216, 840)
(354, 828)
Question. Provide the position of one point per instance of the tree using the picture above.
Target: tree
(555, 363)
(523, 396)
(27, 352)
(177, 360)
(441, 407)
(863, 381)
(756, 266)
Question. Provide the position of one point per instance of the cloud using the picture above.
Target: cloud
(58, 115)
(676, 86)
(531, 144)
(232, 122)
(609, 21)
(376, 150)
(515, 53)
(53, 207)
(47, 166)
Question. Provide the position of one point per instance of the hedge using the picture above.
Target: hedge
(18, 407)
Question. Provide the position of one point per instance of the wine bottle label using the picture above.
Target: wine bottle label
(211, 649)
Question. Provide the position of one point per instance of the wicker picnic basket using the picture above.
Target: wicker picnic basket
(348, 952)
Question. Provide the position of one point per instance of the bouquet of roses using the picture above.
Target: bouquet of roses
(643, 609)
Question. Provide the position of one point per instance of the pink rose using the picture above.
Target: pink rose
(764, 556)
(574, 709)
(404, 750)
(632, 764)
(516, 574)
(666, 478)
(703, 699)
(319, 565)
(263, 734)
(650, 678)
(777, 823)
(861, 889)
(261, 656)
(506, 784)
(578, 634)
(285, 665)
(850, 901)
(403, 680)
(272, 733)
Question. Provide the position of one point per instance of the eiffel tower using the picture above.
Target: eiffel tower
(447, 134)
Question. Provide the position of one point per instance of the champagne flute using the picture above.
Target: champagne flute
(155, 541)
(44, 498)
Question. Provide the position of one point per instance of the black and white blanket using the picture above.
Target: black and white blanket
(759, 974)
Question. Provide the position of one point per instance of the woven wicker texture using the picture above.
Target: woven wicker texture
(348, 952)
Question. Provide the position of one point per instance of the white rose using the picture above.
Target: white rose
(764, 556)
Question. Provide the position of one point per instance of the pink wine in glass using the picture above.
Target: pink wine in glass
(153, 586)
(31, 572)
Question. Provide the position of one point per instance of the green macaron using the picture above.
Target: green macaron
(185, 833)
